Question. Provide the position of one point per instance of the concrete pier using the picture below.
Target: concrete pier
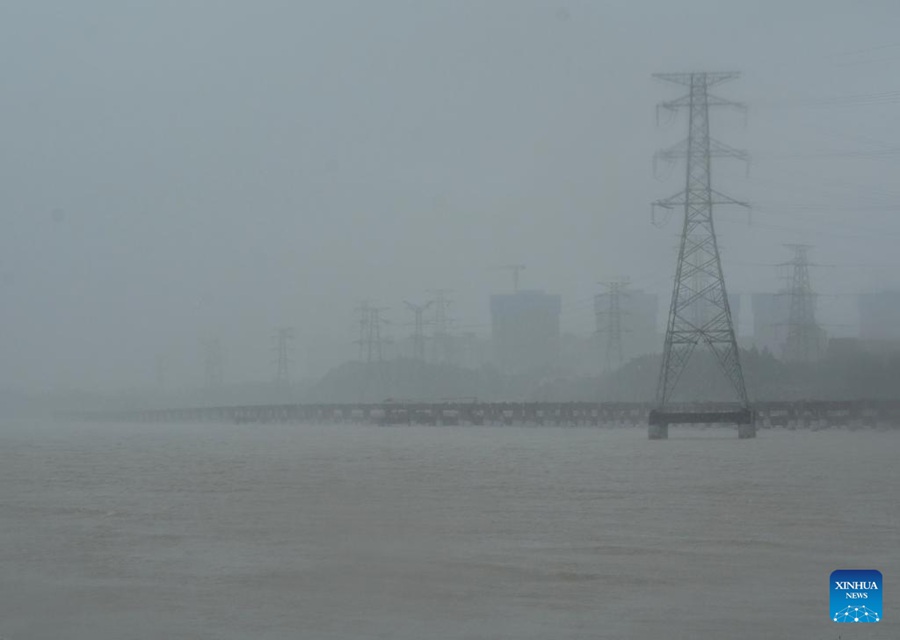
(658, 420)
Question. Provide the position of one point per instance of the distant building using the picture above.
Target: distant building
(770, 317)
(640, 334)
(879, 316)
(525, 330)
(879, 321)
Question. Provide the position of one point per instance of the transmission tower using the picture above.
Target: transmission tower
(364, 316)
(419, 331)
(803, 333)
(371, 339)
(282, 339)
(378, 337)
(371, 348)
(160, 371)
(699, 312)
(440, 347)
(212, 363)
(613, 313)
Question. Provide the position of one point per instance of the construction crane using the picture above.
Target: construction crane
(515, 268)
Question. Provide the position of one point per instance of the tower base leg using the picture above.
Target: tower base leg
(658, 432)
(746, 431)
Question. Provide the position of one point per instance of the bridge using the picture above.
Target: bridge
(812, 414)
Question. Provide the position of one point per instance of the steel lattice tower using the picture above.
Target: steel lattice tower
(282, 340)
(441, 347)
(615, 292)
(160, 371)
(213, 363)
(419, 331)
(363, 310)
(803, 335)
(699, 311)
(371, 347)
(374, 338)
(371, 341)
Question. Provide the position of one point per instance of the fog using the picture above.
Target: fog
(175, 172)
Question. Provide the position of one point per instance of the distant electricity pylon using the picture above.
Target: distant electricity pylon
(363, 310)
(282, 339)
(371, 339)
(699, 311)
(160, 371)
(613, 314)
(212, 363)
(803, 333)
(419, 330)
(441, 347)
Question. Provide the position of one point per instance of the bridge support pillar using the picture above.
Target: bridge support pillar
(659, 420)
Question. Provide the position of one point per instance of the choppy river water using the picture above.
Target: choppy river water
(276, 531)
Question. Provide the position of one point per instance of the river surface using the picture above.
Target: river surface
(417, 533)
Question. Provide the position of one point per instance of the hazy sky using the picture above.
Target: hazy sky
(176, 169)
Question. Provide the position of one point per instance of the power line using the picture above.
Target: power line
(853, 100)
(880, 47)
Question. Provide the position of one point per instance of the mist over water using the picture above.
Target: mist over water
(275, 531)
(232, 203)
(185, 174)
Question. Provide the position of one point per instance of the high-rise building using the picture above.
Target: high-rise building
(879, 315)
(879, 319)
(641, 315)
(525, 330)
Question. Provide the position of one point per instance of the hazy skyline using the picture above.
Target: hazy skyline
(176, 170)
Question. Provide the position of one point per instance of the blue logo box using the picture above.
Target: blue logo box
(856, 595)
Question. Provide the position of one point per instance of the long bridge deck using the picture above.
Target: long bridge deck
(767, 414)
